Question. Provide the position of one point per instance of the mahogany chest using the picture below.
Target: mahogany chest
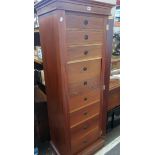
(73, 37)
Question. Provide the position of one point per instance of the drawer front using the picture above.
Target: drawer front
(84, 37)
(83, 128)
(84, 99)
(84, 52)
(84, 86)
(84, 114)
(84, 22)
(82, 142)
(83, 70)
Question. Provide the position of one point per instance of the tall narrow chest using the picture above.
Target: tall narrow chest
(74, 43)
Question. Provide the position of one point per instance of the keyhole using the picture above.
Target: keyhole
(85, 68)
(85, 127)
(84, 141)
(85, 83)
(86, 37)
(85, 113)
(85, 52)
(85, 99)
(85, 22)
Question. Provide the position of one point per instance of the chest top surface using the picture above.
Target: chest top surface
(86, 6)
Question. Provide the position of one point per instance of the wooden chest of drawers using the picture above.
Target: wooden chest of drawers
(74, 42)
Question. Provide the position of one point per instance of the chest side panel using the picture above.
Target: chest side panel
(52, 45)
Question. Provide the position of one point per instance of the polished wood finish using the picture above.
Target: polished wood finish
(74, 21)
(91, 149)
(80, 71)
(83, 86)
(84, 6)
(73, 39)
(80, 115)
(83, 52)
(79, 144)
(84, 127)
(84, 37)
(55, 79)
(84, 98)
(108, 53)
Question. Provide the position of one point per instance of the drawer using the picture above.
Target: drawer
(83, 128)
(82, 142)
(84, 99)
(84, 114)
(84, 52)
(84, 70)
(84, 22)
(83, 86)
(84, 37)
(115, 65)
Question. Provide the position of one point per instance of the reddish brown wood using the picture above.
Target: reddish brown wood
(82, 142)
(86, 97)
(71, 77)
(77, 21)
(83, 114)
(83, 128)
(100, 8)
(55, 79)
(84, 37)
(86, 85)
(91, 149)
(106, 76)
(84, 70)
(82, 52)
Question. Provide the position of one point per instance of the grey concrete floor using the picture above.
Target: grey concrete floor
(114, 151)
(112, 135)
(112, 143)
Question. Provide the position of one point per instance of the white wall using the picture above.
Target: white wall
(111, 2)
(107, 1)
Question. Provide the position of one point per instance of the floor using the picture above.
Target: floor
(114, 151)
(112, 145)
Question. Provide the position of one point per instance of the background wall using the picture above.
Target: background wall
(109, 1)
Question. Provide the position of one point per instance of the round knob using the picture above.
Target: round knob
(85, 113)
(85, 141)
(85, 99)
(85, 127)
(85, 52)
(86, 37)
(84, 68)
(85, 83)
(85, 22)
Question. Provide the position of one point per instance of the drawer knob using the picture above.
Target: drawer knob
(86, 37)
(84, 68)
(85, 22)
(85, 141)
(85, 127)
(85, 113)
(85, 99)
(85, 83)
(85, 52)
